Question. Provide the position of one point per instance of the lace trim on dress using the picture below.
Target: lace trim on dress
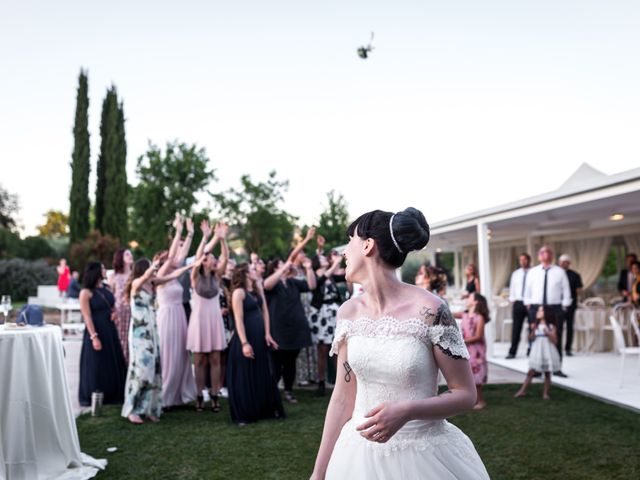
(446, 336)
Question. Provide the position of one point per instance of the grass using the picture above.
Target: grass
(570, 437)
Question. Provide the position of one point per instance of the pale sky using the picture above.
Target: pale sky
(462, 105)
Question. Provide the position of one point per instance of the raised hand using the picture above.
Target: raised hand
(310, 233)
(190, 226)
(222, 229)
(306, 263)
(205, 227)
(177, 221)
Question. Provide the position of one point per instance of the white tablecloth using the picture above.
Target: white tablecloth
(38, 435)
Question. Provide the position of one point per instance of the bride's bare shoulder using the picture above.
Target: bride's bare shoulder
(351, 309)
(431, 308)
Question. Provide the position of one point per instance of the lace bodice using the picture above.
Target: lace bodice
(393, 359)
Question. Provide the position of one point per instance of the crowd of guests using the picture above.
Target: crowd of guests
(174, 330)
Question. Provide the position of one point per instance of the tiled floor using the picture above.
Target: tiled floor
(595, 374)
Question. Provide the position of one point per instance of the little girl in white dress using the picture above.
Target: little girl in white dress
(544, 356)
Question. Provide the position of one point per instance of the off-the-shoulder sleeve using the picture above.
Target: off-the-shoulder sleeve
(445, 333)
(340, 336)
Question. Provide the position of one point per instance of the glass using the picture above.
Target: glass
(5, 306)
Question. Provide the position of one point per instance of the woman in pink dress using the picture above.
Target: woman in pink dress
(473, 321)
(178, 384)
(64, 276)
(206, 337)
(122, 264)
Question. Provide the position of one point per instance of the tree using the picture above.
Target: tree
(56, 224)
(255, 213)
(111, 186)
(96, 247)
(168, 183)
(334, 221)
(114, 220)
(9, 207)
(79, 203)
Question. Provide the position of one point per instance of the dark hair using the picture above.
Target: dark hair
(139, 267)
(410, 230)
(482, 307)
(632, 255)
(118, 261)
(315, 262)
(239, 277)
(526, 255)
(549, 317)
(92, 274)
(272, 266)
(437, 278)
(637, 264)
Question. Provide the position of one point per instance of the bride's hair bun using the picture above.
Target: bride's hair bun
(395, 234)
(411, 230)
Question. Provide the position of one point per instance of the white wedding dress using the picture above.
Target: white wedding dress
(392, 360)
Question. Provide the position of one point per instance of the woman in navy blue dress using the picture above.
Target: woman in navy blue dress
(251, 377)
(102, 364)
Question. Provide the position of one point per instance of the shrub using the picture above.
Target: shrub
(20, 278)
(34, 248)
(96, 247)
(9, 243)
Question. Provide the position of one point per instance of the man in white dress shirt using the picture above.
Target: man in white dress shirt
(516, 296)
(548, 285)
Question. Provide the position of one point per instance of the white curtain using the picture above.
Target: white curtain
(500, 267)
(587, 256)
(633, 243)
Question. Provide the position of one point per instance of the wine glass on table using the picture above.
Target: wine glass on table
(5, 306)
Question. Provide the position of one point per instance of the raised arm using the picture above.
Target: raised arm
(206, 233)
(183, 252)
(159, 280)
(339, 412)
(175, 243)
(221, 231)
(298, 248)
(272, 280)
(311, 275)
(336, 260)
(146, 276)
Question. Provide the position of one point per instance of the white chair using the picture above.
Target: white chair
(622, 349)
(594, 302)
(584, 327)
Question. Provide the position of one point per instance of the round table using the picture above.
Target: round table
(38, 436)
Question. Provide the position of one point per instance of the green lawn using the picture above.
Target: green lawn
(571, 437)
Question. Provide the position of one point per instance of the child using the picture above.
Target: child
(473, 321)
(544, 356)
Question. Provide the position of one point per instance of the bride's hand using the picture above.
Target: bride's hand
(383, 422)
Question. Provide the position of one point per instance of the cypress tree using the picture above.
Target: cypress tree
(79, 204)
(103, 160)
(115, 193)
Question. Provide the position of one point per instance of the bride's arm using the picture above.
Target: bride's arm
(338, 413)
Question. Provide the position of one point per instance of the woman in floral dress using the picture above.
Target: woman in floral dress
(122, 263)
(143, 390)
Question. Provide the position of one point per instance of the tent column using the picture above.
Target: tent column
(484, 270)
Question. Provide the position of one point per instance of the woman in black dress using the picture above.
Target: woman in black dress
(290, 327)
(473, 282)
(251, 378)
(102, 364)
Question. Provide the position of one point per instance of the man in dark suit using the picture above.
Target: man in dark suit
(626, 277)
(575, 285)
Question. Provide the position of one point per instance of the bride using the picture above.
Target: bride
(385, 419)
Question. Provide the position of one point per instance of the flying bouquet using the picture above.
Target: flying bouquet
(363, 52)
